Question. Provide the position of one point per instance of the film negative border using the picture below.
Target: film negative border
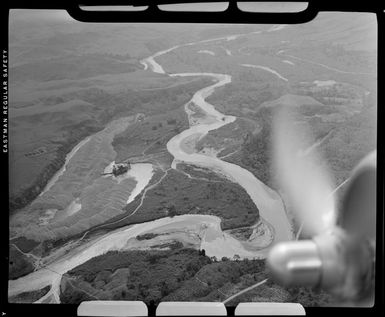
(231, 15)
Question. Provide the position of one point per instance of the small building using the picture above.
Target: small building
(120, 168)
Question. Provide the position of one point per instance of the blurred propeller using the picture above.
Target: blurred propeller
(340, 256)
(303, 175)
(358, 215)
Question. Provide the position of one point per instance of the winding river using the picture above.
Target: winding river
(269, 203)
(214, 241)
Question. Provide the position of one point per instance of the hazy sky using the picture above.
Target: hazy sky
(363, 25)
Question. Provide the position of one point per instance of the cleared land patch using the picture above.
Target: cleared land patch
(100, 197)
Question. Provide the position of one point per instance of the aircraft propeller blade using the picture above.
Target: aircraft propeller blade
(302, 174)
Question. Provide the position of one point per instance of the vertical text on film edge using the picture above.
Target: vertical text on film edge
(5, 101)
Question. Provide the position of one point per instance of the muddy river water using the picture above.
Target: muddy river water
(212, 238)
